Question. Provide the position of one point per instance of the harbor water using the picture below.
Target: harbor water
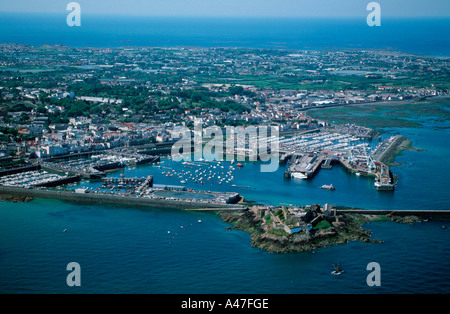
(130, 250)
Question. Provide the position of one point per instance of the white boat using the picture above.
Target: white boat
(337, 271)
(299, 175)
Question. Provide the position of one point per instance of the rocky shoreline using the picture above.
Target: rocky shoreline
(15, 198)
(348, 228)
(260, 238)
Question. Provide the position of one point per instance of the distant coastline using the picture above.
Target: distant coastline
(301, 33)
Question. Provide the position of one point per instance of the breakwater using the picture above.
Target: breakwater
(387, 150)
(92, 174)
(403, 213)
(112, 199)
(61, 181)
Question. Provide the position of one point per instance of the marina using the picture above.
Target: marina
(95, 166)
(354, 153)
(357, 158)
(36, 178)
(320, 140)
(200, 172)
(44, 183)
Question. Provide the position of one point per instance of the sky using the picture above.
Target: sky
(237, 8)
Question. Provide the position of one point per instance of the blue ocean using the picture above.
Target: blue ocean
(137, 250)
(411, 35)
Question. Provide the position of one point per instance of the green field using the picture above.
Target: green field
(387, 114)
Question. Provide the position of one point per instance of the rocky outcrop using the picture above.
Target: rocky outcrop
(404, 219)
(340, 233)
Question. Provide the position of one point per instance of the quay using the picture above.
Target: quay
(59, 182)
(387, 148)
(133, 158)
(384, 180)
(16, 170)
(70, 156)
(90, 173)
(156, 151)
(304, 166)
(327, 164)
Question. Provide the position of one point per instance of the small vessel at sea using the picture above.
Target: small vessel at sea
(385, 185)
(337, 270)
(328, 187)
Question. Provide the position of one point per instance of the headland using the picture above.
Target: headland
(297, 229)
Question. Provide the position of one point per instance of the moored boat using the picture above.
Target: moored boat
(299, 175)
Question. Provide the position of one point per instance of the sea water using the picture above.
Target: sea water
(135, 250)
(411, 35)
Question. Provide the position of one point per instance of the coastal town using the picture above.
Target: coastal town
(57, 100)
(71, 115)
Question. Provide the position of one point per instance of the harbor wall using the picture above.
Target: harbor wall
(148, 160)
(389, 153)
(60, 181)
(157, 151)
(419, 213)
(109, 166)
(94, 198)
(85, 175)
